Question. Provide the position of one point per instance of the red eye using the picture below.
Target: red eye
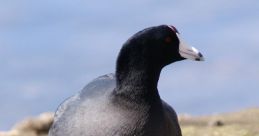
(168, 39)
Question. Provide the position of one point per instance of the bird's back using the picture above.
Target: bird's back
(89, 108)
(91, 112)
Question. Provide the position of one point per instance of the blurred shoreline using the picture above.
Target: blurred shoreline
(242, 123)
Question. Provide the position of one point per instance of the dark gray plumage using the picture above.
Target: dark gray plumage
(128, 103)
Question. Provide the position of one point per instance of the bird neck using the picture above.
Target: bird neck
(137, 82)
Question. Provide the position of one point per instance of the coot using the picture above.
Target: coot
(127, 103)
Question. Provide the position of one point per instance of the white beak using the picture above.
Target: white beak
(189, 52)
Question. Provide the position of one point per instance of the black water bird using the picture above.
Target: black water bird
(127, 103)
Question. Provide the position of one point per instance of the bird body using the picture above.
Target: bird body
(127, 103)
(110, 117)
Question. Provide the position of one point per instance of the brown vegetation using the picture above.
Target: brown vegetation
(243, 123)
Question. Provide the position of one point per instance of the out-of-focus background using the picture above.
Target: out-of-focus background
(49, 50)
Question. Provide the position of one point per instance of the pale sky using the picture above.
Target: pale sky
(50, 50)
